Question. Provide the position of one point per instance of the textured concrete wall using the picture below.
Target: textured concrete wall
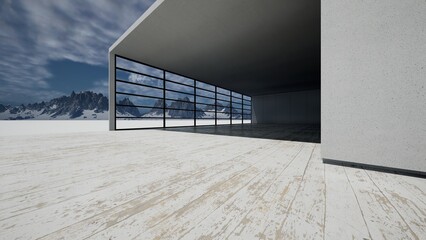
(374, 82)
(292, 107)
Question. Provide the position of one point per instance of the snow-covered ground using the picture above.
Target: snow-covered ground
(39, 127)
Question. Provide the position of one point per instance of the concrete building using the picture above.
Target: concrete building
(358, 73)
(244, 100)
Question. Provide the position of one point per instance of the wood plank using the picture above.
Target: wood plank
(413, 212)
(232, 215)
(305, 214)
(283, 197)
(169, 185)
(181, 211)
(55, 194)
(416, 186)
(344, 219)
(382, 219)
(131, 206)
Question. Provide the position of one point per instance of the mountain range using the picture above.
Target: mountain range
(180, 108)
(89, 105)
(83, 105)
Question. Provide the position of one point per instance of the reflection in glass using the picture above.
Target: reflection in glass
(204, 122)
(132, 111)
(139, 90)
(180, 79)
(205, 86)
(223, 121)
(144, 99)
(205, 100)
(132, 123)
(236, 95)
(138, 78)
(182, 105)
(236, 100)
(179, 96)
(223, 97)
(223, 91)
(179, 87)
(204, 93)
(138, 67)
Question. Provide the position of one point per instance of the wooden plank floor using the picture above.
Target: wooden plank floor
(156, 184)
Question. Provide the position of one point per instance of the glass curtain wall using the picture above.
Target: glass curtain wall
(148, 97)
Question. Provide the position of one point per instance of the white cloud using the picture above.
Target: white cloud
(100, 86)
(39, 31)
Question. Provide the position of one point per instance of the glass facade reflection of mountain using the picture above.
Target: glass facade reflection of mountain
(150, 97)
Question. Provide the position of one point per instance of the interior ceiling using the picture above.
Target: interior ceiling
(249, 46)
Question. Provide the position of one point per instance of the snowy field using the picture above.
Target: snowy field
(39, 127)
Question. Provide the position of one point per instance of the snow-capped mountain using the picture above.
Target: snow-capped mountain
(182, 108)
(90, 105)
(83, 105)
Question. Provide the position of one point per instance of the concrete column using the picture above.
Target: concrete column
(373, 82)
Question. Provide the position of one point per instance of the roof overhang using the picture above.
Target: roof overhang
(250, 46)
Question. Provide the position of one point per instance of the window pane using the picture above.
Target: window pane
(223, 121)
(140, 79)
(236, 111)
(237, 121)
(138, 123)
(179, 114)
(223, 113)
(179, 79)
(205, 100)
(138, 67)
(236, 100)
(206, 108)
(122, 99)
(222, 97)
(204, 93)
(139, 90)
(179, 122)
(179, 96)
(237, 105)
(179, 87)
(223, 104)
(205, 86)
(173, 104)
(130, 111)
(236, 95)
(203, 122)
(223, 91)
(236, 115)
(202, 114)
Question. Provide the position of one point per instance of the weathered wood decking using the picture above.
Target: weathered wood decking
(156, 184)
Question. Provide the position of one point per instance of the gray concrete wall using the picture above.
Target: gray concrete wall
(373, 77)
(293, 107)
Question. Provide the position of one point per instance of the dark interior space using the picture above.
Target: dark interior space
(289, 132)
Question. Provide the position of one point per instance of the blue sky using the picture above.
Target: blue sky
(49, 48)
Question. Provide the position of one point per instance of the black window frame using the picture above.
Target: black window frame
(239, 98)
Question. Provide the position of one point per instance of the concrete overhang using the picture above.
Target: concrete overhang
(250, 46)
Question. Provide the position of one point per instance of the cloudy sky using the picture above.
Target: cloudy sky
(49, 48)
